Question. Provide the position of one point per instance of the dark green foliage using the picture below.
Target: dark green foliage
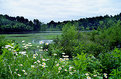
(111, 37)
(94, 42)
(21, 24)
(93, 64)
(110, 60)
(81, 62)
(3, 42)
(54, 46)
(87, 23)
(37, 25)
(45, 46)
(10, 24)
(69, 39)
(94, 49)
(116, 73)
(97, 47)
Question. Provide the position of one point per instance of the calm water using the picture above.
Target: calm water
(42, 41)
(34, 37)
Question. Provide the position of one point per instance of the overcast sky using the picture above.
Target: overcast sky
(59, 10)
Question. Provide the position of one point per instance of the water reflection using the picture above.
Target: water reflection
(45, 41)
(42, 41)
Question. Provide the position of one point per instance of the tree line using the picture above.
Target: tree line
(21, 24)
(88, 23)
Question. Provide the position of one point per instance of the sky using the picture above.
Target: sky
(59, 10)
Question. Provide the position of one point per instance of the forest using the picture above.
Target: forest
(9, 24)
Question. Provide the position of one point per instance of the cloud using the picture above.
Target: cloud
(59, 10)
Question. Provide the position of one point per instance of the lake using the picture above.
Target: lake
(34, 37)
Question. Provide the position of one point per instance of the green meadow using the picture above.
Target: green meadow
(37, 36)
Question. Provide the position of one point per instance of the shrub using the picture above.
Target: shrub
(94, 48)
(110, 60)
(111, 36)
(69, 39)
(94, 64)
(115, 74)
(81, 63)
(53, 49)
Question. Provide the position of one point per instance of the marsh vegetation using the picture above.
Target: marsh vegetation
(70, 54)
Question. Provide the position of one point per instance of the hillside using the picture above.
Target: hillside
(20, 24)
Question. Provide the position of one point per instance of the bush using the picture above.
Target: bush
(81, 62)
(110, 60)
(68, 40)
(115, 74)
(94, 48)
(53, 49)
(111, 37)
